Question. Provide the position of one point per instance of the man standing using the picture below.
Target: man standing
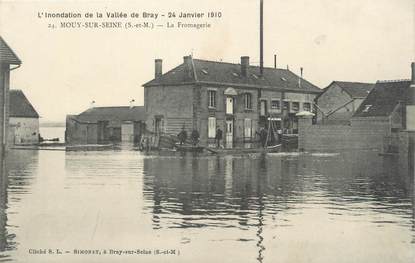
(195, 137)
(182, 136)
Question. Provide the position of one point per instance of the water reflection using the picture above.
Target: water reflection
(17, 174)
(269, 208)
(251, 192)
(3, 200)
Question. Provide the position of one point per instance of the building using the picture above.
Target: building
(105, 124)
(382, 123)
(385, 104)
(7, 59)
(24, 120)
(206, 95)
(340, 100)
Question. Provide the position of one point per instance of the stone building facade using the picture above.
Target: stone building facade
(23, 121)
(8, 62)
(206, 95)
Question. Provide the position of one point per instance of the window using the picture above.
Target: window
(275, 105)
(286, 105)
(248, 128)
(307, 106)
(296, 106)
(263, 109)
(211, 127)
(248, 100)
(212, 98)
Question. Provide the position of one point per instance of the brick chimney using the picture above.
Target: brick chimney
(413, 73)
(158, 64)
(188, 67)
(244, 66)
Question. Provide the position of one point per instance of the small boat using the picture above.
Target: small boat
(189, 148)
(200, 149)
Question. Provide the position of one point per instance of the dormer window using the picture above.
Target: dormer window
(367, 107)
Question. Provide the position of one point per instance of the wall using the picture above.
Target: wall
(4, 106)
(333, 98)
(80, 133)
(23, 131)
(174, 103)
(403, 152)
(361, 134)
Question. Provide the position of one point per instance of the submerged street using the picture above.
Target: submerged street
(348, 207)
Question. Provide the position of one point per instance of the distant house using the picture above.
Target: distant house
(24, 120)
(206, 95)
(340, 100)
(7, 59)
(385, 104)
(105, 124)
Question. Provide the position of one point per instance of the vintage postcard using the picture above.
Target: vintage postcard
(207, 131)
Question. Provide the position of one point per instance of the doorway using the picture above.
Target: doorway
(229, 105)
(229, 134)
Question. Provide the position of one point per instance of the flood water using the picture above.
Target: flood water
(347, 207)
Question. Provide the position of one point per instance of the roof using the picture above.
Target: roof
(20, 106)
(7, 55)
(123, 113)
(383, 99)
(356, 90)
(223, 73)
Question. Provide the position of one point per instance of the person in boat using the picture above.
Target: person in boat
(182, 136)
(218, 136)
(195, 137)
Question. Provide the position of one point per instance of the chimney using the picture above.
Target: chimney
(300, 78)
(158, 68)
(275, 60)
(188, 67)
(413, 73)
(261, 37)
(244, 66)
(132, 102)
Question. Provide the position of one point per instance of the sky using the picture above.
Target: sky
(64, 70)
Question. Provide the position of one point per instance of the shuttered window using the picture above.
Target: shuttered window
(212, 127)
(248, 101)
(248, 128)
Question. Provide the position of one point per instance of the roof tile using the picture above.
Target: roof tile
(20, 106)
(383, 99)
(229, 73)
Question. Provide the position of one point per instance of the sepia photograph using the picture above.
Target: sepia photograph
(262, 131)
